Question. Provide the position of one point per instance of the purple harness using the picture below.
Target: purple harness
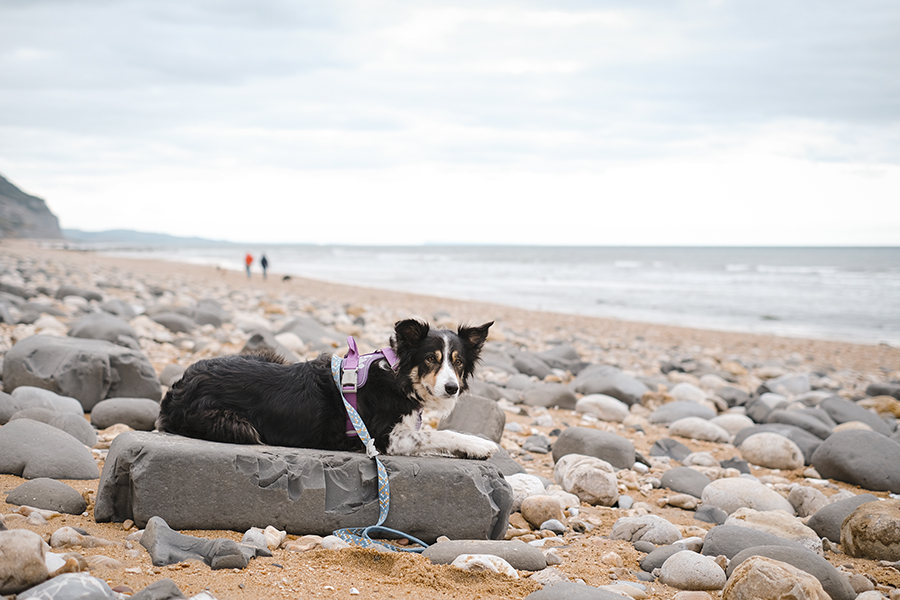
(356, 372)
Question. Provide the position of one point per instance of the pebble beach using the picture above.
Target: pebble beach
(587, 545)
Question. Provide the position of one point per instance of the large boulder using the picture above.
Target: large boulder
(87, 370)
(864, 458)
(196, 484)
(104, 326)
(476, 415)
(33, 449)
(873, 531)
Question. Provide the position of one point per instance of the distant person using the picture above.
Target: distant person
(264, 263)
(249, 260)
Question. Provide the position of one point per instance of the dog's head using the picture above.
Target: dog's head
(435, 364)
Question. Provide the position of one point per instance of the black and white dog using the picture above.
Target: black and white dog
(253, 399)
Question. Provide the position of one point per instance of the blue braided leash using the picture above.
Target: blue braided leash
(361, 535)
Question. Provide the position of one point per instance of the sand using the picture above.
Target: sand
(635, 347)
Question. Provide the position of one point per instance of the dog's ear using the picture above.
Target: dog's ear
(409, 332)
(474, 337)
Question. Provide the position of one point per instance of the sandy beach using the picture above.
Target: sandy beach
(638, 349)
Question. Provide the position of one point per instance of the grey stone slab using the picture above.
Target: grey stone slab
(614, 449)
(87, 370)
(518, 554)
(195, 484)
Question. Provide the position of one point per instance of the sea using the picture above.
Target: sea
(838, 293)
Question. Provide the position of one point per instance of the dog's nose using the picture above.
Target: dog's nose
(451, 388)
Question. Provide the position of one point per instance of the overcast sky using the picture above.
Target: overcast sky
(564, 122)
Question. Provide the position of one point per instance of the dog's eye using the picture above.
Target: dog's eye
(431, 359)
(457, 362)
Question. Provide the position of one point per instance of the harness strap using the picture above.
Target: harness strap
(355, 373)
(361, 535)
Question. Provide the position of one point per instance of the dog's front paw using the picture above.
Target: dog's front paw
(479, 449)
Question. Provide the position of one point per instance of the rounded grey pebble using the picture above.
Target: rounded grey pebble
(48, 494)
(626, 502)
(138, 413)
(554, 525)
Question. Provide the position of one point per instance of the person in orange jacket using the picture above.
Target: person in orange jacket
(249, 260)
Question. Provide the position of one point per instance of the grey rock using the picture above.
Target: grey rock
(476, 415)
(609, 381)
(826, 522)
(298, 490)
(163, 589)
(170, 374)
(505, 464)
(733, 396)
(48, 494)
(614, 449)
(660, 555)
(37, 413)
(518, 554)
(549, 395)
(529, 364)
(137, 413)
(864, 458)
(119, 308)
(563, 357)
(648, 528)
(264, 341)
(757, 410)
(554, 525)
(87, 370)
(71, 586)
(801, 420)
(873, 531)
(175, 322)
(674, 411)
(807, 500)
(791, 384)
(76, 426)
(167, 547)
(203, 316)
(710, 514)
(807, 442)
(685, 480)
(730, 540)
(33, 449)
(485, 390)
(8, 407)
(843, 411)
(536, 443)
(566, 590)
(688, 570)
(311, 331)
(733, 493)
(72, 290)
(698, 428)
(835, 585)
(27, 396)
(104, 326)
(671, 448)
(884, 389)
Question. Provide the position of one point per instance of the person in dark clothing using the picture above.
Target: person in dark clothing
(264, 262)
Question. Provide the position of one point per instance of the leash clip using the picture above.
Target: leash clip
(371, 451)
(349, 380)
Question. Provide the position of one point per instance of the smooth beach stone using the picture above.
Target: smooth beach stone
(137, 413)
(77, 427)
(104, 326)
(167, 547)
(671, 448)
(791, 384)
(28, 396)
(733, 493)
(688, 570)
(203, 315)
(37, 413)
(476, 415)
(733, 396)
(610, 447)
(87, 370)
(772, 451)
(873, 531)
(801, 420)
(505, 463)
(22, 563)
(807, 442)
(697, 428)
(484, 563)
(32, 449)
(567, 590)
(609, 381)
(687, 392)
(175, 322)
(118, 308)
(161, 589)
(647, 528)
(884, 389)
(563, 356)
(806, 500)
(540, 508)
(757, 410)
(657, 555)
(732, 422)
(170, 374)
(298, 490)
(591, 479)
(710, 514)
(529, 364)
(265, 341)
(518, 554)
(674, 411)
(833, 582)
(826, 521)
(8, 407)
(536, 443)
(549, 395)
(761, 578)
(313, 333)
(864, 458)
(72, 290)
(730, 540)
(843, 411)
(48, 494)
(777, 522)
(685, 480)
(605, 408)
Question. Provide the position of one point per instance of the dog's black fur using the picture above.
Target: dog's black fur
(251, 399)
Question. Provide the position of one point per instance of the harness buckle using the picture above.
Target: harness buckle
(349, 380)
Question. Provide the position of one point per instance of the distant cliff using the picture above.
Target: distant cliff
(25, 216)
